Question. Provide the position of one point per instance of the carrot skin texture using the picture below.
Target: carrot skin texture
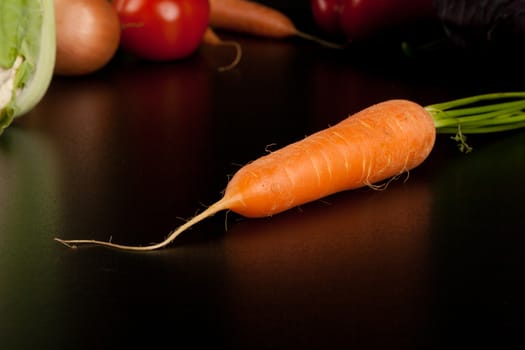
(375, 144)
(250, 17)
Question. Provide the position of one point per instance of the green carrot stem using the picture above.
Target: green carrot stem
(458, 112)
(496, 117)
(488, 113)
(477, 98)
(455, 113)
(483, 130)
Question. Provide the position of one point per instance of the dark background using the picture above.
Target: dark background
(435, 261)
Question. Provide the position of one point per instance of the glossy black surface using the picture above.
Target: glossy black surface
(433, 261)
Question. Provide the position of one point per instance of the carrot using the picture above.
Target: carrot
(211, 38)
(378, 143)
(253, 18)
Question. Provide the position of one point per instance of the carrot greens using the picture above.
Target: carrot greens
(479, 114)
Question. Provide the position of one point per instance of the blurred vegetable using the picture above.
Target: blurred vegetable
(483, 23)
(326, 15)
(88, 33)
(211, 38)
(250, 17)
(360, 20)
(27, 55)
(253, 18)
(162, 30)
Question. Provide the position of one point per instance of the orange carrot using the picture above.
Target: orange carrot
(380, 142)
(211, 38)
(249, 17)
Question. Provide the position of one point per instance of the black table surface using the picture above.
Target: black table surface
(130, 152)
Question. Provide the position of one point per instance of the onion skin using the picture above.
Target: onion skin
(88, 35)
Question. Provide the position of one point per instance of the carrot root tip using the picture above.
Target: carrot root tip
(211, 38)
(66, 243)
(211, 210)
(236, 59)
(320, 41)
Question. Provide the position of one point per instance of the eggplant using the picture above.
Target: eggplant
(483, 24)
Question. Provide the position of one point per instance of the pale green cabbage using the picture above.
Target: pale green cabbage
(27, 55)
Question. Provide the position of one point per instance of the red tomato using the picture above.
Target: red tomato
(362, 19)
(162, 30)
(326, 15)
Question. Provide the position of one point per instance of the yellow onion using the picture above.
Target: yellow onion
(87, 34)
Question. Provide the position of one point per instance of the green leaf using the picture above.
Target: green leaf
(27, 32)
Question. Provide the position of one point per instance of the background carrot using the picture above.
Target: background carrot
(375, 144)
(211, 38)
(249, 17)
